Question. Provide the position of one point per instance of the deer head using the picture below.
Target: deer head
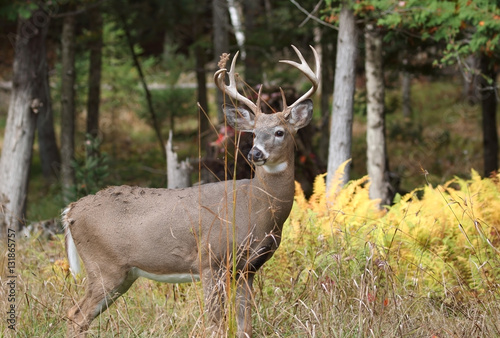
(270, 130)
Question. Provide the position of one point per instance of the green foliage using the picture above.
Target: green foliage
(359, 106)
(464, 26)
(170, 103)
(17, 9)
(90, 174)
(174, 63)
(118, 72)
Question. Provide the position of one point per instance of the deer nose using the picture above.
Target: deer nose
(255, 155)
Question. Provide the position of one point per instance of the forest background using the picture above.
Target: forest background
(110, 79)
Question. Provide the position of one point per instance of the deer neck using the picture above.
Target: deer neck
(277, 185)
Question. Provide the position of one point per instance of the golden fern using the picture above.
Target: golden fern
(432, 237)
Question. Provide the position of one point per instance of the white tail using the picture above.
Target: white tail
(199, 233)
(71, 252)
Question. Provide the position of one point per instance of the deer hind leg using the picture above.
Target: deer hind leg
(103, 288)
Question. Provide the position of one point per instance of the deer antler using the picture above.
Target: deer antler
(232, 90)
(304, 68)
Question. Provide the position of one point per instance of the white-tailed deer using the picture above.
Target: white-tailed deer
(202, 233)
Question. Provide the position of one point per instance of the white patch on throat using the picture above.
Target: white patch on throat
(169, 278)
(275, 168)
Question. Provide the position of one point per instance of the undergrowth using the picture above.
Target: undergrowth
(427, 266)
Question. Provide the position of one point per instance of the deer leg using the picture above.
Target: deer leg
(215, 298)
(244, 304)
(103, 288)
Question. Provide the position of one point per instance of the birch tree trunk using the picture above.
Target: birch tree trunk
(178, 173)
(17, 148)
(375, 132)
(339, 149)
(68, 106)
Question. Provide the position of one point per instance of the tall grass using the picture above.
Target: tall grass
(427, 266)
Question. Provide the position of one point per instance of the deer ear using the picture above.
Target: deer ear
(300, 115)
(239, 118)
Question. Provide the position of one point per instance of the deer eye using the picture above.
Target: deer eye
(279, 133)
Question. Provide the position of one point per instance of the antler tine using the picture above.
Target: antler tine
(308, 72)
(283, 98)
(232, 90)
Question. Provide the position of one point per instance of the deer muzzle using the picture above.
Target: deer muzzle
(256, 156)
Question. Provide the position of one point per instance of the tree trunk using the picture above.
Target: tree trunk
(49, 151)
(253, 59)
(377, 163)
(489, 110)
(235, 11)
(28, 79)
(202, 94)
(339, 149)
(470, 79)
(221, 44)
(94, 82)
(178, 173)
(68, 107)
(327, 48)
(406, 93)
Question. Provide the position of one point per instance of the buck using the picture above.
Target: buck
(206, 233)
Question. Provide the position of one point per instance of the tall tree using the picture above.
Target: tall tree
(253, 60)
(95, 66)
(68, 106)
(220, 23)
(489, 103)
(339, 149)
(27, 95)
(377, 161)
(49, 151)
(327, 66)
(199, 49)
(406, 93)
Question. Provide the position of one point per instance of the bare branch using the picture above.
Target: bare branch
(310, 16)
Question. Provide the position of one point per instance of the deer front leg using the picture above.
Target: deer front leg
(244, 304)
(215, 298)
